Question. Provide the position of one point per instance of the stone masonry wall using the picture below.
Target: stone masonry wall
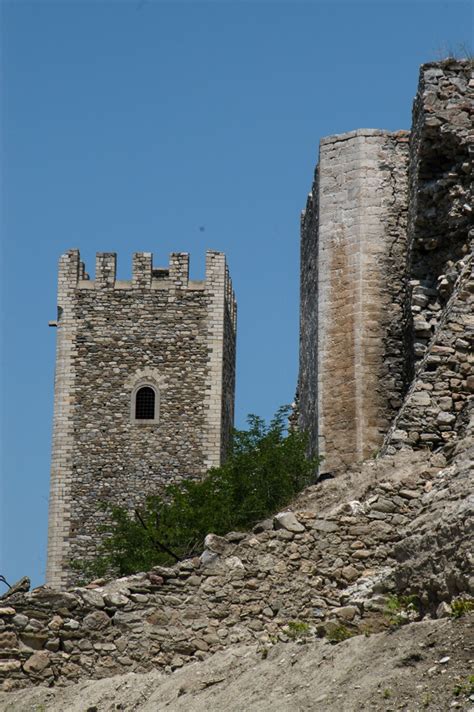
(306, 406)
(114, 336)
(353, 281)
(441, 238)
(434, 411)
(331, 563)
(440, 214)
(228, 373)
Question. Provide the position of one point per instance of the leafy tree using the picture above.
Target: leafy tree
(266, 467)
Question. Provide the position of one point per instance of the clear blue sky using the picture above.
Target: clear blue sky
(128, 125)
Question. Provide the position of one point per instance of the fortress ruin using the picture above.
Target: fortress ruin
(386, 375)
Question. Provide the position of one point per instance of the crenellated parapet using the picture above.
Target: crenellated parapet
(145, 275)
(159, 331)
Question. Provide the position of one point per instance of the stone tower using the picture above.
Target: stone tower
(353, 255)
(144, 390)
(386, 244)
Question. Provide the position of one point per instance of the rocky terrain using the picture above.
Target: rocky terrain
(420, 666)
(312, 610)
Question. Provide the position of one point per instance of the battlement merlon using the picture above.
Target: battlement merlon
(219, 282)
(105, 270)
(179, 270)
(142, 270)
(69, 271)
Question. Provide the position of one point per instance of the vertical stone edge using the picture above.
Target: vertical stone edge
(216, 291)
(63, 436)
(229, 365)
(307, 378)
(380, 365)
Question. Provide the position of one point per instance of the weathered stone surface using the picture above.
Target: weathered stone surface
(36, 663)
(8, 639)
(216, 544)
(323, 525)
(116, 599)
(346, 613)
(92, 598)
(440, 258)
(7, 666)
(444, 610)
(352, 294)
(98, 620)
(288, 521)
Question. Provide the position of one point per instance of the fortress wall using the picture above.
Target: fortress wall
(328, 568)
(352, 373)
(440, 212)
(435, 410)
(113, 336)
(307, 391)
(70, 269)
(220, 383)
(228, 370)
(440, 298)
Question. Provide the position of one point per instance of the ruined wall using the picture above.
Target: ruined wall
(440, 214)
(440, 332)
(353, 281)
(379, 261)
(113, 336)
(350, 541)
(434, 412)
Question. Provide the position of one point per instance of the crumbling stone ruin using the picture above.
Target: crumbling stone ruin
(144, 390)
(386, 254)
(385, 378)
(330, 563)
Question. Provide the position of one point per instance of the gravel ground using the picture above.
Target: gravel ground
(420, 666)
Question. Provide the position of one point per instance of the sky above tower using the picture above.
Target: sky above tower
(177, 126)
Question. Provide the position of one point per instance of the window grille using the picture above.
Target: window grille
(145, 404)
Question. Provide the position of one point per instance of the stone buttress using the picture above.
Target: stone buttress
(353, 253)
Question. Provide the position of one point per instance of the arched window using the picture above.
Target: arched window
(145, 402)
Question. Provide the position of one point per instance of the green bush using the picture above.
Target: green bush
(266, 467)
(297, 630)
(465, 688)
(461, 606)
(337, 635)
(403, 609)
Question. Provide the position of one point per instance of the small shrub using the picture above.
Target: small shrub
(266, 467)
(465, 688)
(461, 606)
(297, 630)
(339, 634)
(402, 609)
(386, 693)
